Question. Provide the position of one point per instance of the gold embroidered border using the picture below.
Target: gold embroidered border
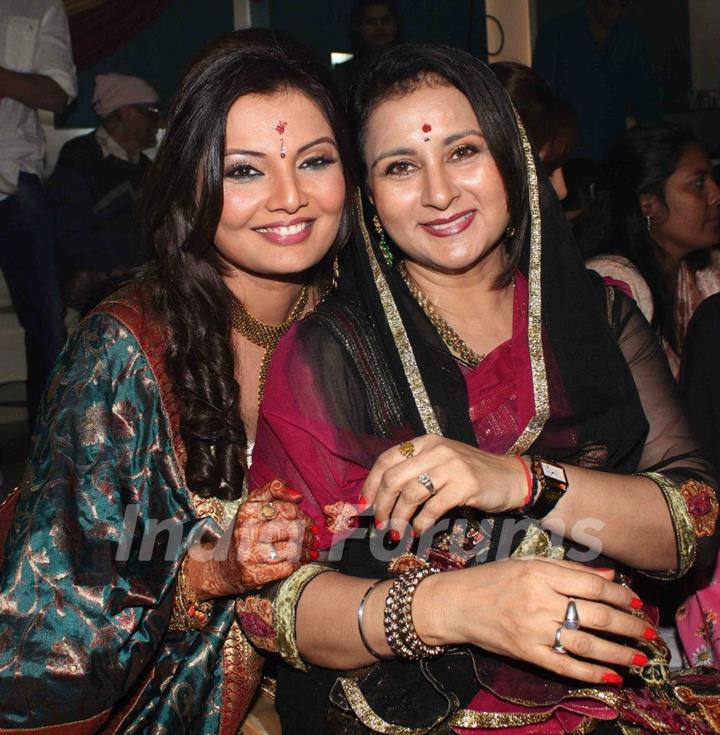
(285, 607)
(535, 345)
(402, 342)
(469, 718)
(705, 519)
(537, 542)
(242, 666)
(683, 526)
(365, 713)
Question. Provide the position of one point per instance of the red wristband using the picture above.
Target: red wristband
(529, 479)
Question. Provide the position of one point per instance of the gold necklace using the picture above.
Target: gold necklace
(455, 343)
(264, 335)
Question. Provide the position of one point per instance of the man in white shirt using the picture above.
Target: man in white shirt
(36, 72)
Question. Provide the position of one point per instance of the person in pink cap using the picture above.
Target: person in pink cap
(95, 188)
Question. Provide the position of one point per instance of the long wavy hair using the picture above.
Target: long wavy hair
(402, 69)
(639, 162)
(181, 210)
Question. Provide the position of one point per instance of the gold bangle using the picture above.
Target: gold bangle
(189, 613)
(285, 608)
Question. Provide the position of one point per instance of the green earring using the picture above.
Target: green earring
(384, 247)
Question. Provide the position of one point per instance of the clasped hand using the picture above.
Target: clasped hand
(461, 475)
(271, 537)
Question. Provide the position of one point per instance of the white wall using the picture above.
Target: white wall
(514, 17)
(705, 43)
(241, 10)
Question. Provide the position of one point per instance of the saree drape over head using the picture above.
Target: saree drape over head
(368, 370)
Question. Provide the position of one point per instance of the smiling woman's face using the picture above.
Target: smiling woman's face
(283, 185)
(435, 186)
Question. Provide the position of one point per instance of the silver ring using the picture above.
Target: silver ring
(557, 646)
(572, 617)
(426, 481)
(272, 555)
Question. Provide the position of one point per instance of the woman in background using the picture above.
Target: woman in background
(656, 226)
(133, 533)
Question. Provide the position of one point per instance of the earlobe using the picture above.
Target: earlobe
(648, 205)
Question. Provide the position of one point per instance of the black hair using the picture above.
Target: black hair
(401, 69)
(639, 162)
(182, 205)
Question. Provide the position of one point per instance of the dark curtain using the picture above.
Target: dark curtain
(105, 27)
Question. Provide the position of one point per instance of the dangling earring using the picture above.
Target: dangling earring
(335, 272)
(648, 223)
(384, 247)
(509, 232)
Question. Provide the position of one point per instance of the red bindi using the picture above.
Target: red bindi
(280, 127)
(426, 128)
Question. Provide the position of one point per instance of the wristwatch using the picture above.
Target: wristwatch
(552, 484)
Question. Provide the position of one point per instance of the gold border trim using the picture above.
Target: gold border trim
(683, 526)
(402, 342)
(285, 607)
(365, 713)
(469, 718)
(535, 345)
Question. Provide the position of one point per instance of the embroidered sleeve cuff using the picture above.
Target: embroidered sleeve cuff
(686, 519)
(285, 607)
(188, 613)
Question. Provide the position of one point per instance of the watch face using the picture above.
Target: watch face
(554, 472)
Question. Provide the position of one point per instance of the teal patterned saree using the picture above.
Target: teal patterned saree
(95, 536)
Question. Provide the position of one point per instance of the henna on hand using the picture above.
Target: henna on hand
(271, 538)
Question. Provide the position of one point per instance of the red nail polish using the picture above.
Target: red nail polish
(603, 569)
(315, 530)
(650, 634)
(639, 659)
(294, 494)
(362, 503)
(394, 535)
(636, 603)
(314, 553)
(378, 524)
(614, 679)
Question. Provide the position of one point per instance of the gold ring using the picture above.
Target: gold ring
(268, 511)
(407, 449)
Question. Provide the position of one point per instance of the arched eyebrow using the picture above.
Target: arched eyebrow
(260, 154)
(413, 151)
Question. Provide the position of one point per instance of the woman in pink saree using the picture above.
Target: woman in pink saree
(488, 438)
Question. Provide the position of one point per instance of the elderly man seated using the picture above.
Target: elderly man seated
(95, 186)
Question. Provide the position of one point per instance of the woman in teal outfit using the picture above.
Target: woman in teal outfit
(118, 580)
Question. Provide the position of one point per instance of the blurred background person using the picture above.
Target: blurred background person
(596, 61)
(95, 187)
(656, 226)
(36, 72)
(374, 25)
(581, 176)
(549, 121)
